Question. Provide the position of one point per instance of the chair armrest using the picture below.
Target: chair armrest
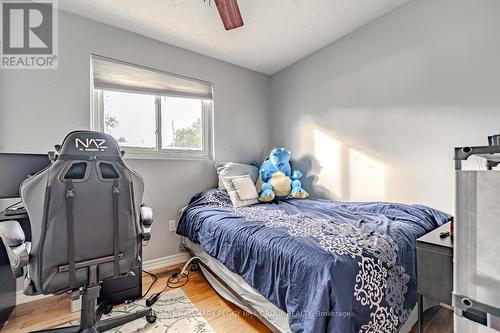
(146, 222)
(12, 233)
(13, 238)
(146, 215)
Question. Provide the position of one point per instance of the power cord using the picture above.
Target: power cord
(176, 280)
(155, 278)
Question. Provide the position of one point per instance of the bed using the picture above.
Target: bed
(323, 265)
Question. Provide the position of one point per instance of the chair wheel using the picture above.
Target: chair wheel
(151, 318)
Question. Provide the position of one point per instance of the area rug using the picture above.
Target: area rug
(174, 311)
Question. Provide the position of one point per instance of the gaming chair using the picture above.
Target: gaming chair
(87, 225)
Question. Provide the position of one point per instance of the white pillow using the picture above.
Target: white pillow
(241, 190)
(231, 169)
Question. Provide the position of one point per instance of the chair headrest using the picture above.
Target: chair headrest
(89, 144)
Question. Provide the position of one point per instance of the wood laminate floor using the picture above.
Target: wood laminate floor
(222, 315)
(437, 320)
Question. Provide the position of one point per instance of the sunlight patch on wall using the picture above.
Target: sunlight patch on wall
(328, 150)
(346, 170)
(366, 177)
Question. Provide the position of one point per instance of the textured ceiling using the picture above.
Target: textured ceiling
(276, 34)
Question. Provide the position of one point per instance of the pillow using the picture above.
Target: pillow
(231, 169)
(241, 190)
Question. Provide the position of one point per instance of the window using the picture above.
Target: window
(129, 118)
(149, 122)
(181, 123)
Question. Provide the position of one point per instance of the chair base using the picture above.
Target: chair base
(90, 316)
(105, 325)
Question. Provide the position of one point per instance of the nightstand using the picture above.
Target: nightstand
(434, 269)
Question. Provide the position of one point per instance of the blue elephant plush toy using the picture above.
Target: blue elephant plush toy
(276, 179)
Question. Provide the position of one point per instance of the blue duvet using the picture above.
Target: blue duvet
(332, 266)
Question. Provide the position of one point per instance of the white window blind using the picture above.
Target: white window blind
(152, 113)
(118, 75)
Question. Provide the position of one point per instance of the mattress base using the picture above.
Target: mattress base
(275, 316)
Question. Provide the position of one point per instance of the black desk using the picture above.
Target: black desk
(7, 280)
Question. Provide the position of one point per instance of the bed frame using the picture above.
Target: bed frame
(253, 311)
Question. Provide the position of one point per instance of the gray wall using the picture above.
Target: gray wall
(373, 116)
(39, 107)
(377, 114)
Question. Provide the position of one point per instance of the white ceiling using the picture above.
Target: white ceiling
(276, 34)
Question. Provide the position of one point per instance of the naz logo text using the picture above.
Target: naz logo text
(90, 144)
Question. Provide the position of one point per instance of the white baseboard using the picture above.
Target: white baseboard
(149, 265)
(22, 298)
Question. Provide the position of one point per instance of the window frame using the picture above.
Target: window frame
(206, 153)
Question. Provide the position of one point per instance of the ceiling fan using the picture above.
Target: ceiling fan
(229, 13)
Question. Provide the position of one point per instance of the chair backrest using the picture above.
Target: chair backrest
(84, 206)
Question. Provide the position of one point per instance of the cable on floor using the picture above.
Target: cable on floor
(176, 280)
(155, 278)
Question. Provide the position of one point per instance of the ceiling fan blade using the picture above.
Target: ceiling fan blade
(229, 13)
